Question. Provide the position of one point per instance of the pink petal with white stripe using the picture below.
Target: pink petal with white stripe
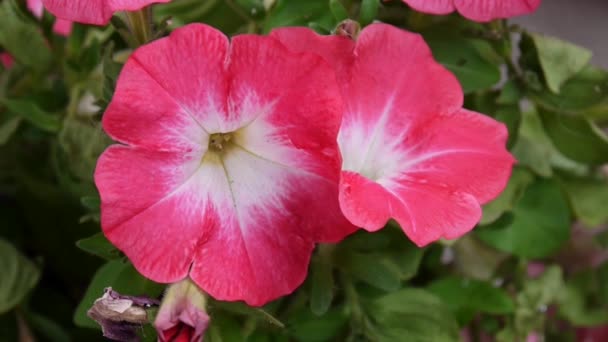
(232, 172)
(409, 151)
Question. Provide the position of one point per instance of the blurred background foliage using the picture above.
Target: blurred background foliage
(535, 266)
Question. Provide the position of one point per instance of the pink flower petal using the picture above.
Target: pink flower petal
(95, 12)
(63, 27)
(243, 220)
(7, 60)
(477, 10)
(36, 8)
(409, 151)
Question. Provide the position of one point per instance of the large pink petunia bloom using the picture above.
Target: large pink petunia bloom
(477, 10)
(410, 152)
(231, 167)
(95, 12)
(61, 27)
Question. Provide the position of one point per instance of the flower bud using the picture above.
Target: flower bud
(182, 315)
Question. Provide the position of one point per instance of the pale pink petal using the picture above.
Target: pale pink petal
(432, 6)
(36, 8)
(477, 10)
(62, 27)
(96, 12)
(486, 10)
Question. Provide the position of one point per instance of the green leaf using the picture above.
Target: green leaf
(584, 94)
(29, 111)
(224, 329)
(577, 138)
(299, 13)
(533, 301)
(510, 93)
(462, 57)
(19, 276)
(100, 246)
(559, 60)
(588, 198)
(8, 128)
(91, 202)
(307, 327)
(337, 9)
(573, 305)
(467, 297)
(368, 11)
(412, 315)
(539, 226)
(519, 181)
(533, 148)
(376, 269)
(123, 278)
(47, 328)
(22, 38)
(322, 287)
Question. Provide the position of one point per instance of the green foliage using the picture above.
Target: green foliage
(19, 276)
(468, 297)
(559, 60)
(15, 29)
(539, 225)
(412, 315)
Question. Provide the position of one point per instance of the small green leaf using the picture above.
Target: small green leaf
(23, 38)
(586, 93)
(47, 328)
(532, 302)
(375, 269)
(8, 128)
(337, 9)
(576, 138)
(299, 13)
(322, 287)
(19, 276)
(123, 278)
(467, 297)
(412, 315)
(533, 148)
(510, 93)
(100, 246)
(462, 57)
(540, 224)
(588, 198)
(368, 12)
(573, 306)
(559, 60)
(91, 202)
(519, 181)
(29, 111)
(307, 327)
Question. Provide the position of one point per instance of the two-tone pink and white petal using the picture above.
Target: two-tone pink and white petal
(95, 12)
(240, 219)
(477, 10)
(410, 152)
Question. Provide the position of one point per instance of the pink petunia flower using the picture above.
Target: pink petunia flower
(410, 152)
(7, 60)
(476, 10)
(182, 316)
(95, 12)
(61, 27)
(231, 167)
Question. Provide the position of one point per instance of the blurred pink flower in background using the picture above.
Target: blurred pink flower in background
(477, 10)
